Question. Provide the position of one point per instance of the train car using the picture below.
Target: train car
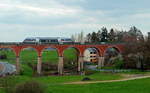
(31, 40)
(46, 40)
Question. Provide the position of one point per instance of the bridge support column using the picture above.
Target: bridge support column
(61, 65)
(17, 64)
(100, 62)
(39, 65)
(80, 63)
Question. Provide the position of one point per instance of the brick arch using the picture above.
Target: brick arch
(10, 47)
(28, 47)
(57, 50)
(24, 47)
(98, 50)
(117, 48)
(114, 46)
(76, 48)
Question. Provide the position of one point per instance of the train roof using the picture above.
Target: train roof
(47, 38)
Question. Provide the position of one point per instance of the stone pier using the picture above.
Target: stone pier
(100, 61)
(39, 65)
(61, 65)
(80, 63)
(17, 64)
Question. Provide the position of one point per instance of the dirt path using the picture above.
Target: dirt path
(105, 81)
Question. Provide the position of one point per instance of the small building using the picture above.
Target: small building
(90, 55)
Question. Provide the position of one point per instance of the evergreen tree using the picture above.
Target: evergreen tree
(120, 36)
(112, 35)
(104, 35)
(88, 37)
(98, 36)
(136, 34)
(94, 37)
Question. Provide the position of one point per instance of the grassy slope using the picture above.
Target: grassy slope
(56, 81)
(52, 85)
(94, 77)
(63, 79)
(135, 86)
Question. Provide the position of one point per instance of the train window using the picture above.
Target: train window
(62, 40)
(67, 39)
(54, 40)
(49, 40)
(42, 40)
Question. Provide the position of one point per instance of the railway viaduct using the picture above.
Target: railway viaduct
(101, 49)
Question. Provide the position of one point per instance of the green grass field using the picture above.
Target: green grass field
(55, 84)
(56, 81)
(135, 86)
(71, 78)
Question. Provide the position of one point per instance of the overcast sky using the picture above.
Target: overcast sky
(29, 18)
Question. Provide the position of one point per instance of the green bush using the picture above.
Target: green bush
(118, 64)
(30, 87)
(86, 79)
(70, 65)
(3, 56)
(47, 66)
(26, 70)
